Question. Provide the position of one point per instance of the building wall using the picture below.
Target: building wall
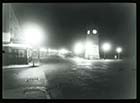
(10, 22)
(94, 51)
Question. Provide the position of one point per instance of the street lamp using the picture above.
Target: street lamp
(106, 47)
(79, 48)
(33, 35)
(63, 51)
(119, 50)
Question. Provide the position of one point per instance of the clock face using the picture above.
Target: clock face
(88, 32)
(94, 31)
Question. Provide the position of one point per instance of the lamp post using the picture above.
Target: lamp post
(118, 50)
(33, 35)
(106, 47)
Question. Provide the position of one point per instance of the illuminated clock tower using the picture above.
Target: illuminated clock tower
(92, 45)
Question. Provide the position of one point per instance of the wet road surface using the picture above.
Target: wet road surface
(73, 79)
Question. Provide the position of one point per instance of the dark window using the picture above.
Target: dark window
(21, 53)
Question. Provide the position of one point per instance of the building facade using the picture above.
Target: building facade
(14, 50)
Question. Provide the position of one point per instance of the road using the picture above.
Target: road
(76, 78)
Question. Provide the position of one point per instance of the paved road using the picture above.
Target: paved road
(74, 79)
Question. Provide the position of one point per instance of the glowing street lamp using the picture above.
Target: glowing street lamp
(118, 50)
(106, 47)
(79, 48)
(33, 35)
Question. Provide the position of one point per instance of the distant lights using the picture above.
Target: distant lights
(33, 34)
(63, 51)
(118, 49)
(78, 48)
(43, 49)
(106, 47)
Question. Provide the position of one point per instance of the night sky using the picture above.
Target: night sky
(67, 23)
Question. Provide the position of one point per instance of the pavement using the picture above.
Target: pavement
(17, 66)
(72, 78)
(24, 82)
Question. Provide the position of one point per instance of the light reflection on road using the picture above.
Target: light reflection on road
(31, 73)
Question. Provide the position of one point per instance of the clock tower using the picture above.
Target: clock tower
(92, 45)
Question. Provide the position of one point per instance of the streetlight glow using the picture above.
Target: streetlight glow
(33, 34)
(106, 47)
(78, 49)
(63, 51)
(43, 49)
(118, 50)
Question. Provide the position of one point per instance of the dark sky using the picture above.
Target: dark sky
(67, 23)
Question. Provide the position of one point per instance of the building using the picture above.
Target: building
(92, 45)
(14, 50)
(10, 23)
(16, 54)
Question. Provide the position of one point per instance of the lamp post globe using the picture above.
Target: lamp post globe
(118, 50)
(106, 47)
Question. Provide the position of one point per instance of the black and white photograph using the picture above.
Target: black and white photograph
(69, 51)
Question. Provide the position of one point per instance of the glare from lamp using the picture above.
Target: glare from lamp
(33, 34)
(106, 47)
(79, 48)
(118, 50)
